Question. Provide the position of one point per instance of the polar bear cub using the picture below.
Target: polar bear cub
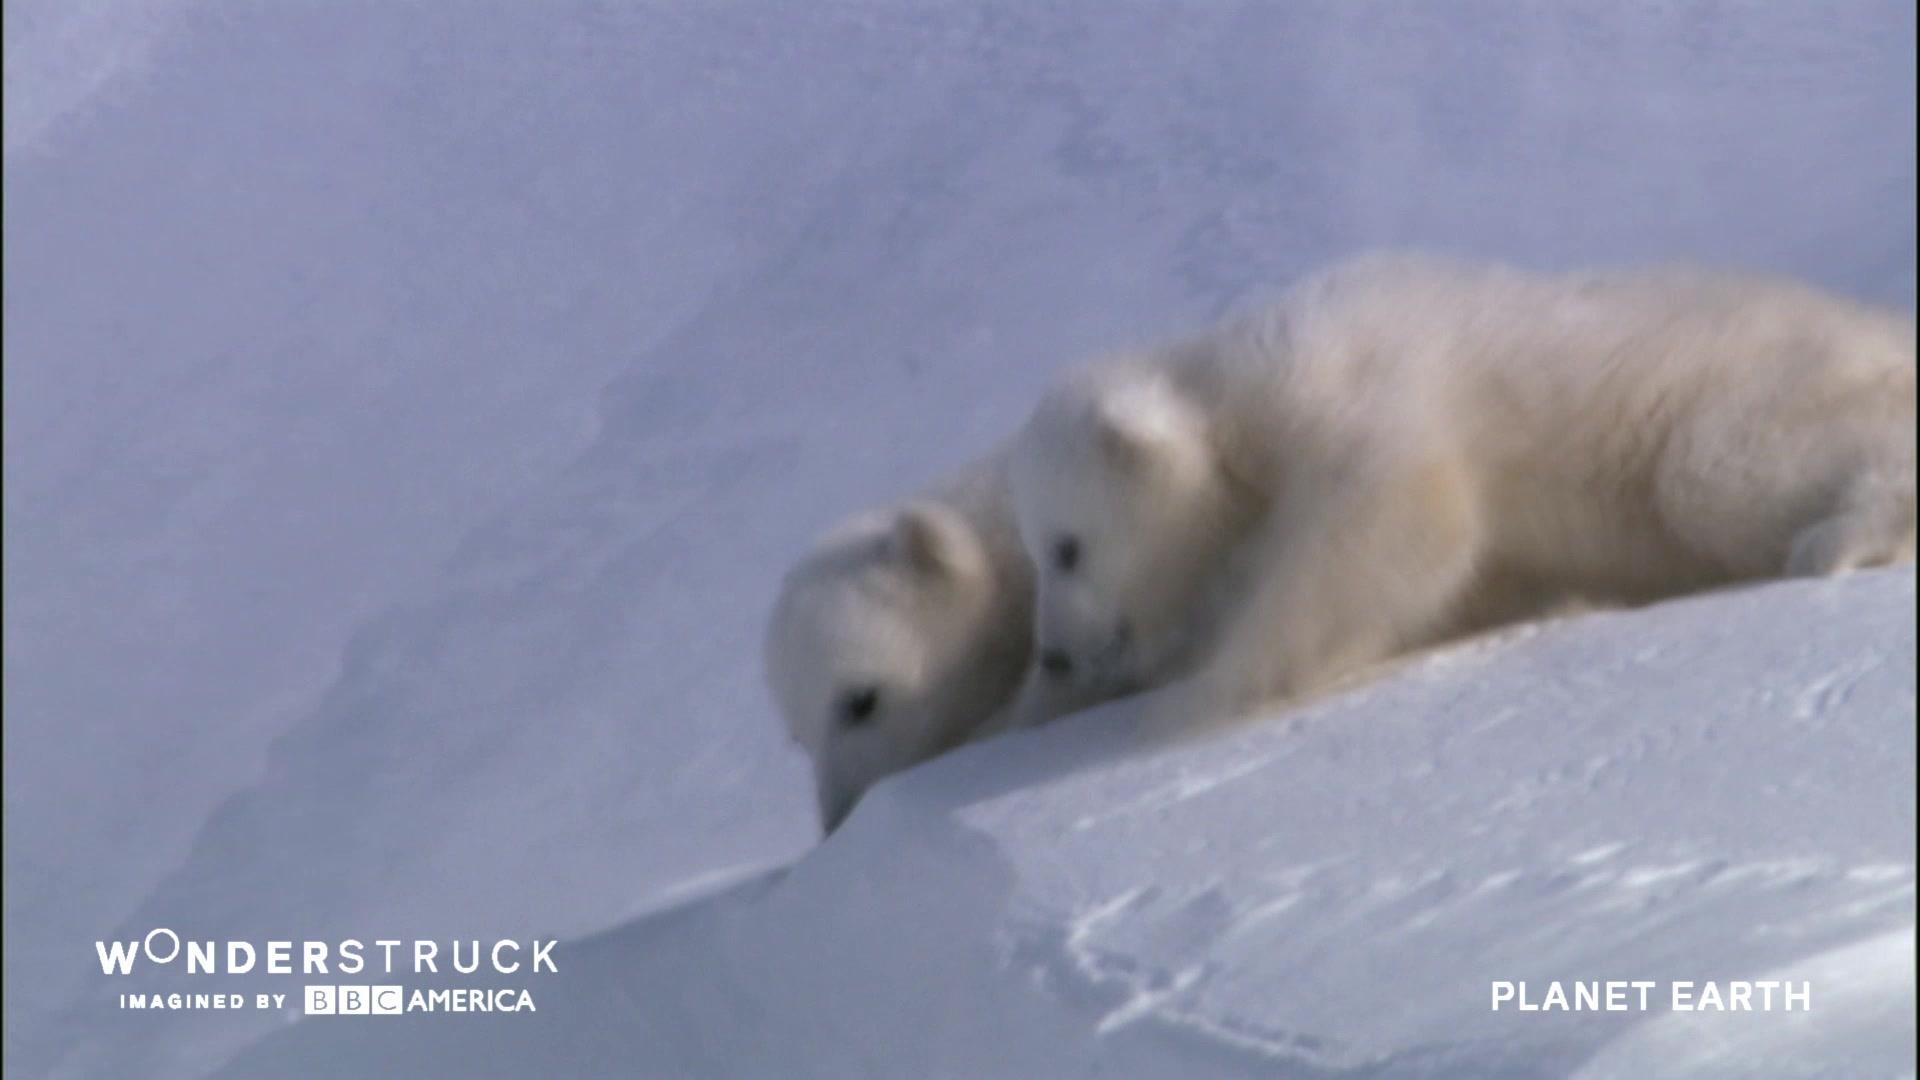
(1403, 448)
(904, 633)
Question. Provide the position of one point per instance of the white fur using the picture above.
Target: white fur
(1404, 448)
(930, 605)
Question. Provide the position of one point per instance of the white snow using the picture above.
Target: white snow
(1622, 796)
(410, 408)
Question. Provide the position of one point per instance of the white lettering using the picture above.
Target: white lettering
(116, 958)
(146, 945)
(497, 946)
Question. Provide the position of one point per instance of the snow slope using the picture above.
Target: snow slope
(409, 410)
(1718, 788)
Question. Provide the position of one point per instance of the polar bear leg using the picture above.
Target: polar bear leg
(1776, 477)
(1040, 699)
(1354, 571)
(1874, 529)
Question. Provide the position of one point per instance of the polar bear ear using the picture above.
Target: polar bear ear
(1123, 445)
(1142, 421)
(922, 540)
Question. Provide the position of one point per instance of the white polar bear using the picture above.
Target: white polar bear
(903, 634)
(1404, 448)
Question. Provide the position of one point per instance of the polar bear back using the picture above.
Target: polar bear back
(1623, 387)
(1393, 331)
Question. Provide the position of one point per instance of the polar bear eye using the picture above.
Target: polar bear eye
(859, 705)
(1066, 554)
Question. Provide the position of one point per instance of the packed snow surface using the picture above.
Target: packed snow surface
(411, 407)
(1716, 789)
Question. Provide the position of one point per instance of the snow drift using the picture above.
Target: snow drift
(1717, 788)
(410, 408)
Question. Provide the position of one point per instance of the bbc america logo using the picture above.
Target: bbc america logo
(389, 1000)
(355, 1000)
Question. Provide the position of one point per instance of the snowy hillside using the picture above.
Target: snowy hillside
(1716, 789)
(410, 407)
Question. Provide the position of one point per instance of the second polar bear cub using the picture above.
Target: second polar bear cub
(904, 633)
(1404, 447)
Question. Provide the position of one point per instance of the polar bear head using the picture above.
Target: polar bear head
(891, 643)
(1126, 512)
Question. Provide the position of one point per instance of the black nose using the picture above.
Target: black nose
(1056, 663)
